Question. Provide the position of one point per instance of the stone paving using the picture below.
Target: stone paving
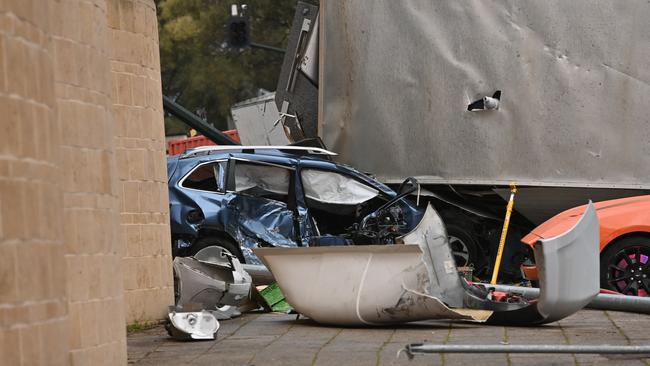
(280, 339)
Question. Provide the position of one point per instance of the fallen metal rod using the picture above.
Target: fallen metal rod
(196, 123)
(267, 47)
(259, 273)
(634, 304)
(416, 348)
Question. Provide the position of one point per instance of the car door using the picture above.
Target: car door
(200, 190)
(263, 205)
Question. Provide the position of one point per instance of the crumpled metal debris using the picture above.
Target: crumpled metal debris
(375, 284)
(213, 278)
(187, 323)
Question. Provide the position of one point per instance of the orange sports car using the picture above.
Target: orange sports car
(624, 242)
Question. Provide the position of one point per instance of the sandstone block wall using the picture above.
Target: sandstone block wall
(33, 305)
(81, 46)
(140, 151)
(84, 236)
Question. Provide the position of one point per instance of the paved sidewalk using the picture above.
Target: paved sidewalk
(279, 339)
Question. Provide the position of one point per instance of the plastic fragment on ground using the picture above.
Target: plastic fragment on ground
(192, 325)
(274, 298)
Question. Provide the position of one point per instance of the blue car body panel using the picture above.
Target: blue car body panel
(254, 221)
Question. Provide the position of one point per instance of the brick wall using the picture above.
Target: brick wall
(81, 42)
(140, 151)
(33, 315)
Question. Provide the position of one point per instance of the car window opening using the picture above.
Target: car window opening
(207, 177)
(262, 181)
(336, 202)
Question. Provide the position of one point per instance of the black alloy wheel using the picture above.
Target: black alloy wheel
(625, 266)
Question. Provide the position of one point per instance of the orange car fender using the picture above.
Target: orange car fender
(611, 236)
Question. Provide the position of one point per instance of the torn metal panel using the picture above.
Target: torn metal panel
(397, 77)
(256, 122)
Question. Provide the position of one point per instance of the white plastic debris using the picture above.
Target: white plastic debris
(186, 325)
(213, 278)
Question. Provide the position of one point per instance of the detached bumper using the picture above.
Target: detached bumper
(373, 285)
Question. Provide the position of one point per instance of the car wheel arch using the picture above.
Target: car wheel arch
(610, 255)
(208, 233)
(618, 236)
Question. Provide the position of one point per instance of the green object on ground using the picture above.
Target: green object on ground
(275, 298)
(282, 306)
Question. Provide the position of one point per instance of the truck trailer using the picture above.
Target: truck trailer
(469, 96)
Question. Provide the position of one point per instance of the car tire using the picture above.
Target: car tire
(464, 247)
(216, 241)
(628, 260)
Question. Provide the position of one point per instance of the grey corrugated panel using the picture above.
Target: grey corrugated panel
(255, 119)
(397, 76)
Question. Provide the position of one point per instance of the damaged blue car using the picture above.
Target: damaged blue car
(244, 197)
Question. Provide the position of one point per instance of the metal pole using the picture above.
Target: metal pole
(266, 47)
(634, 304)
(259, 273)
(197, 123)
(420, 348)
(504, 232)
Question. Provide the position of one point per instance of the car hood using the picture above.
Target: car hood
(566, 219)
